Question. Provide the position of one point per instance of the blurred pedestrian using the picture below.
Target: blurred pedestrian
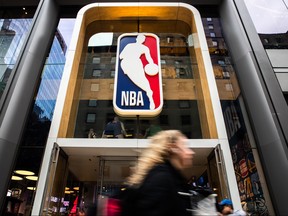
(226, 208)
(158, 177)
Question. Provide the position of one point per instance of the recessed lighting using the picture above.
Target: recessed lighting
(31, 188)
(24, 8)
(16, 178)
(24, 172)
(33, 178)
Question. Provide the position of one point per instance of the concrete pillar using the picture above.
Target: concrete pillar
(18, 96)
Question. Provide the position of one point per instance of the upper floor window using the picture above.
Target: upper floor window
(210, 26)
(96, 60)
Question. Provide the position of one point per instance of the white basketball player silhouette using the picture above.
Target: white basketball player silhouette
(132, 65)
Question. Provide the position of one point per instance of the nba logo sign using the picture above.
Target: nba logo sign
(138, 80)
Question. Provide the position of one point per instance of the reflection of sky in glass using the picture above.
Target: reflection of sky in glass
(101, 39)
(65, 27)
(269, 16)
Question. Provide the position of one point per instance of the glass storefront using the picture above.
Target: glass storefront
(95, 108)
(184, 84)
(187, 105)
(88, 105)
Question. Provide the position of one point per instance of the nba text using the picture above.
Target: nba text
(132, 98)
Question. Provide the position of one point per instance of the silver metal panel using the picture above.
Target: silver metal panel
(283, 81)
(278, 58)
(281, 70)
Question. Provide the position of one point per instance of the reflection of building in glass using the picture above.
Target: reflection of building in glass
(6, 38)
(51, 77)
(61, 41)
(12, 35)
(99, 68)
(274, 41)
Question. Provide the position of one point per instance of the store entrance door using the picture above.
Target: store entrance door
(56, 180)
(100, 171)
(217, 173)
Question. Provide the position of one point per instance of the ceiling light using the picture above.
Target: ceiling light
(76, 188)
(31, 188)
(16, 178)
(67, 188)
(67, 192)
(32, 178)
(24, 172)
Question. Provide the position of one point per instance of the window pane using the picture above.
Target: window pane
(12, 36)
(91, 117)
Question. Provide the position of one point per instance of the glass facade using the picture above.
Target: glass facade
(182, 87)
(37, 129)
(14, 26)
(95, 108)
(249, 184)
(92, 98)
(12, 36)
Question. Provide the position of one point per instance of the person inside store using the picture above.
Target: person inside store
(152, 129)
(115, 129)
(225, 207)
(92, 134)
(152, 188)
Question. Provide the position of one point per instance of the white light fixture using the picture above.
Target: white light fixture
(16, 178)
(24, 172)
(31, 188)
(32, 178)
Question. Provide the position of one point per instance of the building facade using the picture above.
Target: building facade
(224, 83)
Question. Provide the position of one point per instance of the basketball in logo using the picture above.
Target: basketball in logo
(151, 69)
(138, 81)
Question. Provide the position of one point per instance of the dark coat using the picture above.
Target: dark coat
(158, 194)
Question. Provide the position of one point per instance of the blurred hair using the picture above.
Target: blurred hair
(157, 152)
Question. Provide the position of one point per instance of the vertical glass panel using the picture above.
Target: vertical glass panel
(39, 120)
(12, 35)
(245, 165)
